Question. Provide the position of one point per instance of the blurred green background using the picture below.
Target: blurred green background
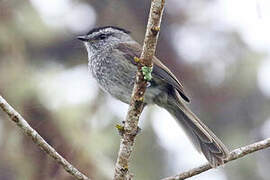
(219, 49)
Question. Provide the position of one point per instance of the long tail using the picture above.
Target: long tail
(212, 148)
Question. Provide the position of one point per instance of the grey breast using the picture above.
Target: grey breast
(114, 74)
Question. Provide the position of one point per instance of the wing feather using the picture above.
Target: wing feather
(130, 50)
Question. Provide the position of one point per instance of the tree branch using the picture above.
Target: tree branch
(235, 154)
(38, 140)
(130, 129)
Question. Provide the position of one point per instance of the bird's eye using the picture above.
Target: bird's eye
(102, 36)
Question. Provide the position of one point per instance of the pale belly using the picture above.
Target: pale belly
(118, 79)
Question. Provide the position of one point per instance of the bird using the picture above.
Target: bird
(111, 52)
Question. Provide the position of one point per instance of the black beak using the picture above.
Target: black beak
(83, 38)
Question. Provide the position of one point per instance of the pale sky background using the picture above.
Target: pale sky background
(251, 18)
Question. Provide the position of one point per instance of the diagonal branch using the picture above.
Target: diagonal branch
(130, 128)
(235, 154)
(38, 140)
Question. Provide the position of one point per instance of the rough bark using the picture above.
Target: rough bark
(235, 154)
(38, 140)
(130, 129)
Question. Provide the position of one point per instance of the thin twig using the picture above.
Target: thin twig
(235, 154)
(38, 140)
(130, 128)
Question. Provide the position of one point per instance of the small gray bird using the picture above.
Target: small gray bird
(111, 51)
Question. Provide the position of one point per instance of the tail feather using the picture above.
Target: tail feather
(212, 148)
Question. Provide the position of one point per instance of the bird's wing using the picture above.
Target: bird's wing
(131, 50)
(164, 73)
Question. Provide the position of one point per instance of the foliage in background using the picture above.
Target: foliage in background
(43, 73)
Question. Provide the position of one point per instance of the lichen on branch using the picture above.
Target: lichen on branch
(143, 75)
